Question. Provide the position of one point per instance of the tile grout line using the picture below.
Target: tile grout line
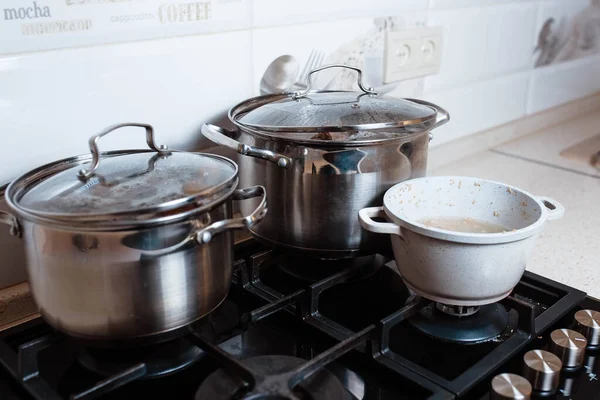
(574, 171)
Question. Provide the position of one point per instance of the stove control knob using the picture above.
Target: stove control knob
(569, 346)
(542, 369)
(587, 322)
(510, 387)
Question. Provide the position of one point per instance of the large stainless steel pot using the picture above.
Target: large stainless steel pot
(323, 156)
(137, 243)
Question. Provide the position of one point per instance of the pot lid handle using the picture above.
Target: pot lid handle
(86, 173)
(367, 90)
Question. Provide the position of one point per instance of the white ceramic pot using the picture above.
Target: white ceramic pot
(460, 268)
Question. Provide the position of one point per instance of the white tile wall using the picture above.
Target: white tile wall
(52, 100)
(560, 83)
(481, 105)
(562, 17)
(450, 4)
(483, 43)
(278, 12)
(560, 10)
(51, 103)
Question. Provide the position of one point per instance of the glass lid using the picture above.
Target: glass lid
(308, 113)
(128, 182)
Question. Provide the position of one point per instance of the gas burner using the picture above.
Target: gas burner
(160, 360)
(272, 375)
(312, 270)
(485, 324)
(457, 311)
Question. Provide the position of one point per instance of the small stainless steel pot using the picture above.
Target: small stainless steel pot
(137, 243)
(323, 156)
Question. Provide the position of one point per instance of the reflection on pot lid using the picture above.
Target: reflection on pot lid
(339, 111)
(129, 182)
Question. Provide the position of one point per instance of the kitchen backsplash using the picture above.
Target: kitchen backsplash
(68, 68)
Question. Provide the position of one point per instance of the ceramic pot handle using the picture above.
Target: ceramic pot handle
(365, 217)
(555, 209)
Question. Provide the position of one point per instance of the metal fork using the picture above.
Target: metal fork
(315, 59)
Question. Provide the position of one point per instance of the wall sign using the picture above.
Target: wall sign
(27, 25)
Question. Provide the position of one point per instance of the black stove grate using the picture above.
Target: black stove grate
(552, 301)
(356, 308)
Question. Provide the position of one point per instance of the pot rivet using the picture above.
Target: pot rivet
(206, 237)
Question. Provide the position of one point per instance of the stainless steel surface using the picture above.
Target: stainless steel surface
(103, 285)
(206, 234)
(12, 221)
(8, 218)
(280, 75)
(133, 273)
(129, 189)
(569, 346)
(510, 387)
(316, 186)
(85, 173)
(339, 116)
(542, 370)
(457, 311)
(313, 205)
(587, 322)
(367, 90)
(442, 116)
(224, 137)
(132, 283)
(130, 186)
(12, 266)
(358, 118)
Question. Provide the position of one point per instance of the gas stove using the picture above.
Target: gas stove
(298, 329)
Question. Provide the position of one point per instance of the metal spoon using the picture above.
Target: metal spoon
(280, 75)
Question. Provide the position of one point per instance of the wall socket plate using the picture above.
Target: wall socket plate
(412, 53)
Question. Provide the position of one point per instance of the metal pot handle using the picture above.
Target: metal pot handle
(367, 90)
(85, 173)
(223, 137)
(206, 234)
(442, 115)
(8, 218)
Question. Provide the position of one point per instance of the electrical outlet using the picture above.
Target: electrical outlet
(412, 53)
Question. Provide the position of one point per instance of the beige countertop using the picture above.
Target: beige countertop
(568, 250)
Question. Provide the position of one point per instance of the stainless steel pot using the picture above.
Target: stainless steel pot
(323, 156)
(137, 243)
